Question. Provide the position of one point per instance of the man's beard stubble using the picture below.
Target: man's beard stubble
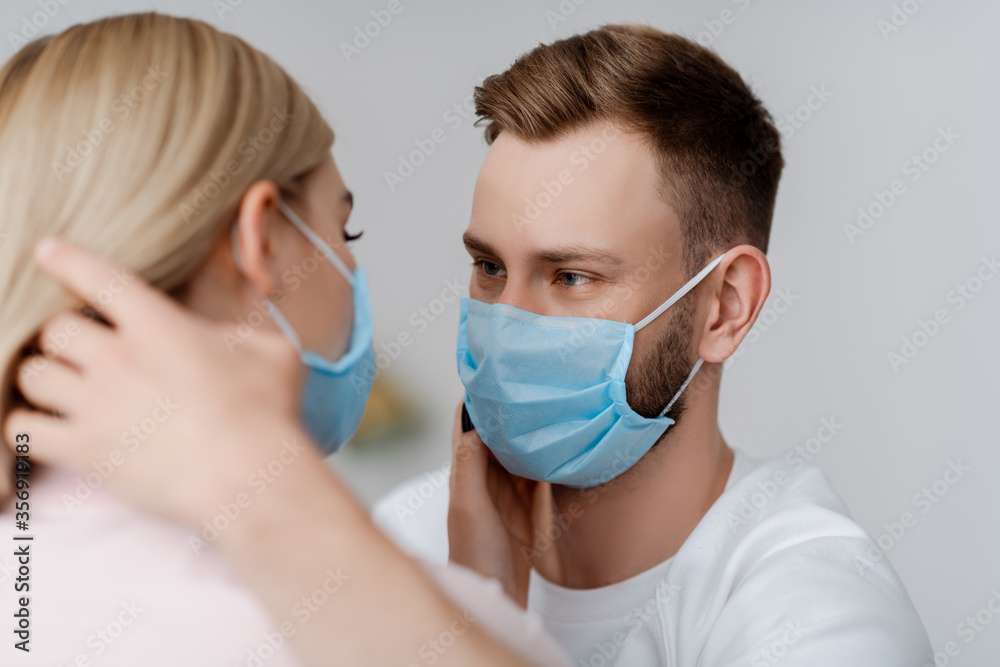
(652, 381)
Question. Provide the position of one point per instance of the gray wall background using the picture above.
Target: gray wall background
(854, 298)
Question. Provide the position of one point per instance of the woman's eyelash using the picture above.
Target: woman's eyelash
(352, 237)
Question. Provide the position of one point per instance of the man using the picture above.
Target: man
(622, 163)
(651, 556)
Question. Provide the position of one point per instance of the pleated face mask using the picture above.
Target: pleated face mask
(547, 394)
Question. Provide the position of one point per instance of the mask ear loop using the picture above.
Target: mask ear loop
(688, 286)
(279, 319)
(680, 391)
(317, 241)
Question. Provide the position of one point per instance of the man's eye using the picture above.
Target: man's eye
(489, 268)
(573, 279)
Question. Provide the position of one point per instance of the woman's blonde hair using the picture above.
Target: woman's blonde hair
(135, 136)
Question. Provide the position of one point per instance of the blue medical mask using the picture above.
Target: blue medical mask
(335, 392)
(547, 394)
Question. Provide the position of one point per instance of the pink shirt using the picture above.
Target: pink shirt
(113, 586)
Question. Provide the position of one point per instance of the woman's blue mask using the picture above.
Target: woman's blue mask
(335, 392)
(547, 394)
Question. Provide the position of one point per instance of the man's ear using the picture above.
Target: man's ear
(740, 289)
(258, 209)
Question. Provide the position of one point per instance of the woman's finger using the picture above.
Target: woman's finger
(48, 384)
(49, 438)
(111, 289)
(73, 337)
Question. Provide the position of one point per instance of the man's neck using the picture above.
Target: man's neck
(618, 530)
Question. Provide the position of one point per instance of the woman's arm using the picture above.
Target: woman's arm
(308, 545)
(303, 543)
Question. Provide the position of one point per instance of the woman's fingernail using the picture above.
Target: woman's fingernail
(46, 247)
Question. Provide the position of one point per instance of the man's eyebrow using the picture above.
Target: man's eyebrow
(562, 254)
(557, 255)
(475, 244)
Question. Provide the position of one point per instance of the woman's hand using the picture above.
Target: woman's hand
(157, 397)
(493, 516)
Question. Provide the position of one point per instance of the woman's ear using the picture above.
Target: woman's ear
(258, 209)
(736, 302)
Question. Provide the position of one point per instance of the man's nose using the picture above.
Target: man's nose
(522, 294)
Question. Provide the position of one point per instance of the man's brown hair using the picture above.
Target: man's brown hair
(716, 144)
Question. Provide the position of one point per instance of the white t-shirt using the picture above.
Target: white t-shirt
(112, 586)
(775, 572)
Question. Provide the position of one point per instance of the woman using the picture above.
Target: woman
(196, 162)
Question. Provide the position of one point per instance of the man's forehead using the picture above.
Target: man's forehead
(574, 193)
